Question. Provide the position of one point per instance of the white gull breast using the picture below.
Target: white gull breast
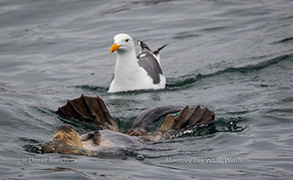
(135, 72)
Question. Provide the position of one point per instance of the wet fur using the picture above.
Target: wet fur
(67, 141)
(67, 135)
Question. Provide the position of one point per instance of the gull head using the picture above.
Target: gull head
(122, 43)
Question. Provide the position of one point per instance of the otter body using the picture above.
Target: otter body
(67, 141)
(109, 139)
(93, 110)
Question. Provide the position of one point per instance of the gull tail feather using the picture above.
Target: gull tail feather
(143, 45)
(159, 49)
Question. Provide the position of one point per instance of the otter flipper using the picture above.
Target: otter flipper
(183, 118)
(145, 121)
(89, 109)
(188, 117)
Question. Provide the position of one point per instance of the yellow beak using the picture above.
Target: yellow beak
(114, 47)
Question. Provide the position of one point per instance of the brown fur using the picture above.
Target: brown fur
(167, 124)
(137, 132)
(67, 135)
(93, 110)
(66, 141)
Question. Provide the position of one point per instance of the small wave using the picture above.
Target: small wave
(28, 140)
(93, 88)
(183, 35)
(131, 5)
(256, 67)
(189, 80)
(103, 89)
(286, 40)
(182, 82)
(33, 148)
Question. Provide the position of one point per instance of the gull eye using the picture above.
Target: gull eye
(126, 40)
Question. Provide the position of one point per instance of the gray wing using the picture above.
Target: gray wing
(148, 61)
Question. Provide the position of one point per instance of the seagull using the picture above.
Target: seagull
(135, 72)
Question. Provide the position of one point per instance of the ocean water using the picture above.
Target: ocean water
(234, 57)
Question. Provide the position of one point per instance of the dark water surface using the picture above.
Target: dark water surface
(235, 57)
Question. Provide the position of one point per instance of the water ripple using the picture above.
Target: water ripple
(188, 80)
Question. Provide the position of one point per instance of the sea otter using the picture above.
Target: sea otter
(107, 137)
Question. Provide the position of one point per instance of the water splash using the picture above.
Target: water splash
(221, 125)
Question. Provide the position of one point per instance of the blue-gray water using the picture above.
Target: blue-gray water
(235, 57)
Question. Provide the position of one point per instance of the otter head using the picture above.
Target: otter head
(67, 135)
